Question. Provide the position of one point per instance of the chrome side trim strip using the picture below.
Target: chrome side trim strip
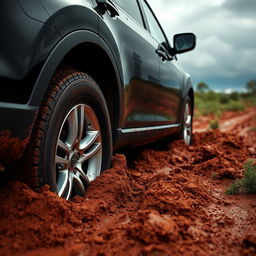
(144, 129)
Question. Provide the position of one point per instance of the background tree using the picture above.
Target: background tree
(202, 87)
(251, 86)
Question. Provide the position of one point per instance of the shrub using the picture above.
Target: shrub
(214, 124)
(234, 96)
(251, 101)
(224, 99)
(247, 184)
(207, 107)
(211, 96)
(202, 87)
(234, 188)
(234, 106)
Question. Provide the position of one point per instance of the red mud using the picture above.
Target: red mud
(166, 199)
(8, 144)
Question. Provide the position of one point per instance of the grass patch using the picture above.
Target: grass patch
(247, 184)
(249, 100)
(214, 124)
(234, 106)
(253, 129)
(211, 102)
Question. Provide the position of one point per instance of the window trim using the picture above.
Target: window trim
(143, 25)
(147, 24)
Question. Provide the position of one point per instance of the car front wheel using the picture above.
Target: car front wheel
(72, 142)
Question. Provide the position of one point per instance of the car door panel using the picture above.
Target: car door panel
(171, 80)
(140, 67)
(170, 76)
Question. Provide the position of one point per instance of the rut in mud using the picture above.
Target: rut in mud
(165, 199)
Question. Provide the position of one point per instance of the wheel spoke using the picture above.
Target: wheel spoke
(80, 173)
(70, 185)
(78, 185)
(80, 123)
(62, 184)
(63, 146)
(73, 125)
(188, 120)
(91, 137)
(187, 124)
(96, 147)
(61, 161)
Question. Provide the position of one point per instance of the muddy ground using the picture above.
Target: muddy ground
(163, 199)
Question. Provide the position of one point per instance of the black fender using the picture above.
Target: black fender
(186, 91)
(25, 42)
(64, 46)
(188, 86)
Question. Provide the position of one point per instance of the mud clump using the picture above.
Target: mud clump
(164, 201)
(8, 144)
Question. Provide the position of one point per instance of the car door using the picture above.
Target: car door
(140, 63)
(171, 76)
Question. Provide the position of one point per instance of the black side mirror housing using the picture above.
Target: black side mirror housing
(183, 43)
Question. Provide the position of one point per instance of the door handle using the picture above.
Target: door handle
(162, 52)
(107, 5)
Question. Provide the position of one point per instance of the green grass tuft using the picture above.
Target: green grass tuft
(247, 184)
(234, 188)
(249, 179)
(214, 124)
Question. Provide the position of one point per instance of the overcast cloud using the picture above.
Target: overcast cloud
(225, 56)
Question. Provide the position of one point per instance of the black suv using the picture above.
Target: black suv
(81, 78)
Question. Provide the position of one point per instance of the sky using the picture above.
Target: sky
(225, 55)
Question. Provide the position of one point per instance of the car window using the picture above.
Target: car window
(131, 8)
(155, 29)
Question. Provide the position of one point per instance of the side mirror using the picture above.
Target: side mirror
(184, 42)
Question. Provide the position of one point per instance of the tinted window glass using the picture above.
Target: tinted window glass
(155, 30)
(130, 7)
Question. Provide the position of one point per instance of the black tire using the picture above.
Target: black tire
(186, 131)
(60, 146)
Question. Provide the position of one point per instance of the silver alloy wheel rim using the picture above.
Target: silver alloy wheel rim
(187, 130)
(78, 152)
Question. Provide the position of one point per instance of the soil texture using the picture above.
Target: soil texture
(163, 199)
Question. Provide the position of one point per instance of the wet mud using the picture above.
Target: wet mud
(8, 144)
(162, 199)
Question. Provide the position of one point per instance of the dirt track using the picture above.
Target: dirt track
(166, 199)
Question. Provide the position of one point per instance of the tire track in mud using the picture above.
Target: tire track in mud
(163, 199)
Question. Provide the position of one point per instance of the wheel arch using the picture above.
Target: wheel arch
(188, 89)
(191, 96)
(87, 52)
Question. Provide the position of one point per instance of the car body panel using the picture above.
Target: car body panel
(40, 33)
(170, 92)
(27, 42)
(140, 67)
(68, 16)
(34, 10)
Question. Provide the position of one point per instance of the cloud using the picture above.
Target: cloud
(241, 8)
(226, 37)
